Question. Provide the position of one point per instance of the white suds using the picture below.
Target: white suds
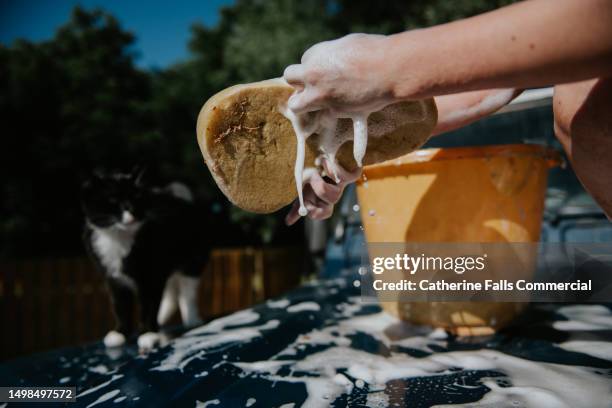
(200, 404)
(304, 126)
(278, 304)
(304, 307)
(235, 319)
(250, 402)
(599, 349)
(360, 137)
(325, 123)
(99, 386)
(196, 344)
(104, 397)
(532, 383)
(377, 400)
(99, 369)
(584, 317)
(514, 397)
(438, 334)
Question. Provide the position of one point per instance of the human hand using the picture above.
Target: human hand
(321, 193)
(346, 75)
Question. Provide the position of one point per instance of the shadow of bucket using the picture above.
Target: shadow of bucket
(469, 194)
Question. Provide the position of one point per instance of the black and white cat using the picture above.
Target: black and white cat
(151, 245)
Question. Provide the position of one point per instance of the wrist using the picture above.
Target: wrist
(410, 75)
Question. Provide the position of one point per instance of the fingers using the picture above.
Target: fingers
(307, 100)
(318, 208)
(294, 75)
(293, 214)
(344, 177)
(329, 193)
(320, 213)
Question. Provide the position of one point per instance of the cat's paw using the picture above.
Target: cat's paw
(114, 339)
(148, 341)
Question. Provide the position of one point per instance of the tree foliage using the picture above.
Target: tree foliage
(79, 102)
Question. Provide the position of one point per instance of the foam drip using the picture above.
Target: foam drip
(360, 136)
(325, 123)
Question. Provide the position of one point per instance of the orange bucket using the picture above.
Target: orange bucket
(468, 194)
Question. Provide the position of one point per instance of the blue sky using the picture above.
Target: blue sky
(161, 27)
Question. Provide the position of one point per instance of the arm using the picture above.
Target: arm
(529, 44)
(458, 110)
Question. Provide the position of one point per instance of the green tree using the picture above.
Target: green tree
(77, 102)
(68, 105)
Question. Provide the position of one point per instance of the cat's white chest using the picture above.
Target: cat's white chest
(112, 245)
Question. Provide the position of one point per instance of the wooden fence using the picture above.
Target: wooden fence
(51, 303)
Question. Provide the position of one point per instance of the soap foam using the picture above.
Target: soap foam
(104, 397)
(584, 317)
(205, 404)
(191, 347)
(100, 386)
(598, 349)
(325, 124)
(532, 383)
(303, 307)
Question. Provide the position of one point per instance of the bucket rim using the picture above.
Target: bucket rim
(548, 153)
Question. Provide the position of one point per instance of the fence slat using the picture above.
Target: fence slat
(50, 303)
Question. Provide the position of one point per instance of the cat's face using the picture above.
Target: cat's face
(115, 200)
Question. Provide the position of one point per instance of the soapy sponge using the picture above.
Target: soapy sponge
(250, 147)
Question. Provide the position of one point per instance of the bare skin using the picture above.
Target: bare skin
(473, 67)
(583, 125)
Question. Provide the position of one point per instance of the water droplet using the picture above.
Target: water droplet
(356, 207)
(356, 283)
(359, 383)
(363, 270)
(303, 211)
(371, 213)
